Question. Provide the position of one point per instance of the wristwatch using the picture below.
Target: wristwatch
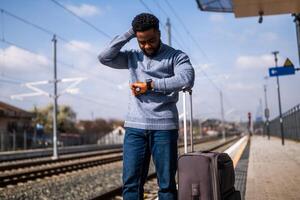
(149, 84)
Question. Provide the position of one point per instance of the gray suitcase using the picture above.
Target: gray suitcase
(204, 175)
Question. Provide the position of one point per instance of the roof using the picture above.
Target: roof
(215, 5)
(7, 110)
(249, 8)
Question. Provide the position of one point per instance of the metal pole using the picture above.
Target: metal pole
(297, 122)
(249, 123)
(279, 99)
(168, 24)
(184, 122)
(34, 138)
(2, 140)
(222, 116)
(297, 22)
(191, 121)
(55, 154)
(294, 123)
(92, 114)
(200, 127)
(25, 139)
(14, 140)
(267, 112)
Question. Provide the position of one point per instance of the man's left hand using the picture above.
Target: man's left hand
(138, 88)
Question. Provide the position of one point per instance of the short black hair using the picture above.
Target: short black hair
(144, 22)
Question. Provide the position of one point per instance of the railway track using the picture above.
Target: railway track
(7, 156)
(23, 171)
(47, 160)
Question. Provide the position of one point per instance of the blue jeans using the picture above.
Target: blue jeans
(138, 147)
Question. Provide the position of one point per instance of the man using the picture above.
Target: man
(157, 73)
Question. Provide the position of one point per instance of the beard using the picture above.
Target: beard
(154, 52)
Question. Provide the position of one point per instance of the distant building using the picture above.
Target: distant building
(211, 127)
(114, 137)
(13, 118)
(13, 122)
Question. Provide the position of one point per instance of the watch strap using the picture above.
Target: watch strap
(148, 82)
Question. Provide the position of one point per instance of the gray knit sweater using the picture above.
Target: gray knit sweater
(170, 70)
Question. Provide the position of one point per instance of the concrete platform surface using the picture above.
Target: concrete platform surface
(274, 170)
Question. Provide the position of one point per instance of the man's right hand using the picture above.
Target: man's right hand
(132, 33)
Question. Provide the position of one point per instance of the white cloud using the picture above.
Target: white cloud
(206, 66)
(199, 67)
(255, 62)
(241, 86)
(78, 46)
(216, 18)
(16, 59)
(84, 10)
(82, 56)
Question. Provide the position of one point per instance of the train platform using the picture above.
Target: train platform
(273, 170)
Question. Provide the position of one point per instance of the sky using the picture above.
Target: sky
(228, 54)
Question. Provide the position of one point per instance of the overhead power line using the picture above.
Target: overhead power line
(173, 27)
(89, 74)
(186, 29)
(191, 36)
(196, 43)
(93, 100)
(16, 80)
(147, 7)
(10, 82)
(178, 18)
(49, 32)
(82, 19)
(26, 21)
(2, 23)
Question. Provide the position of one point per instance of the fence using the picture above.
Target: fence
(10, 141)
(291, 124)
(24, 139)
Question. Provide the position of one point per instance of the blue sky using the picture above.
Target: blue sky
(234, 53)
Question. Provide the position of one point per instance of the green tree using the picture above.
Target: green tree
(66, 118)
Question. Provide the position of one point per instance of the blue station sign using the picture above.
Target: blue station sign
(281, 71)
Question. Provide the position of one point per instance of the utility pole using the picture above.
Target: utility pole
(200, 127)
(267, 112)
(222, 115)
(250, 123)
(297, 22)
(168, 25)
(37, 92)
(55, 153)
(279, 98)
(92, 114)
(191, 122)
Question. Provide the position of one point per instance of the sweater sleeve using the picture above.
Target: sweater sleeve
(184, 76)
(112, 55)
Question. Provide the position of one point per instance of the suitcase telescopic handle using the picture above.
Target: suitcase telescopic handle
(184, 91)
